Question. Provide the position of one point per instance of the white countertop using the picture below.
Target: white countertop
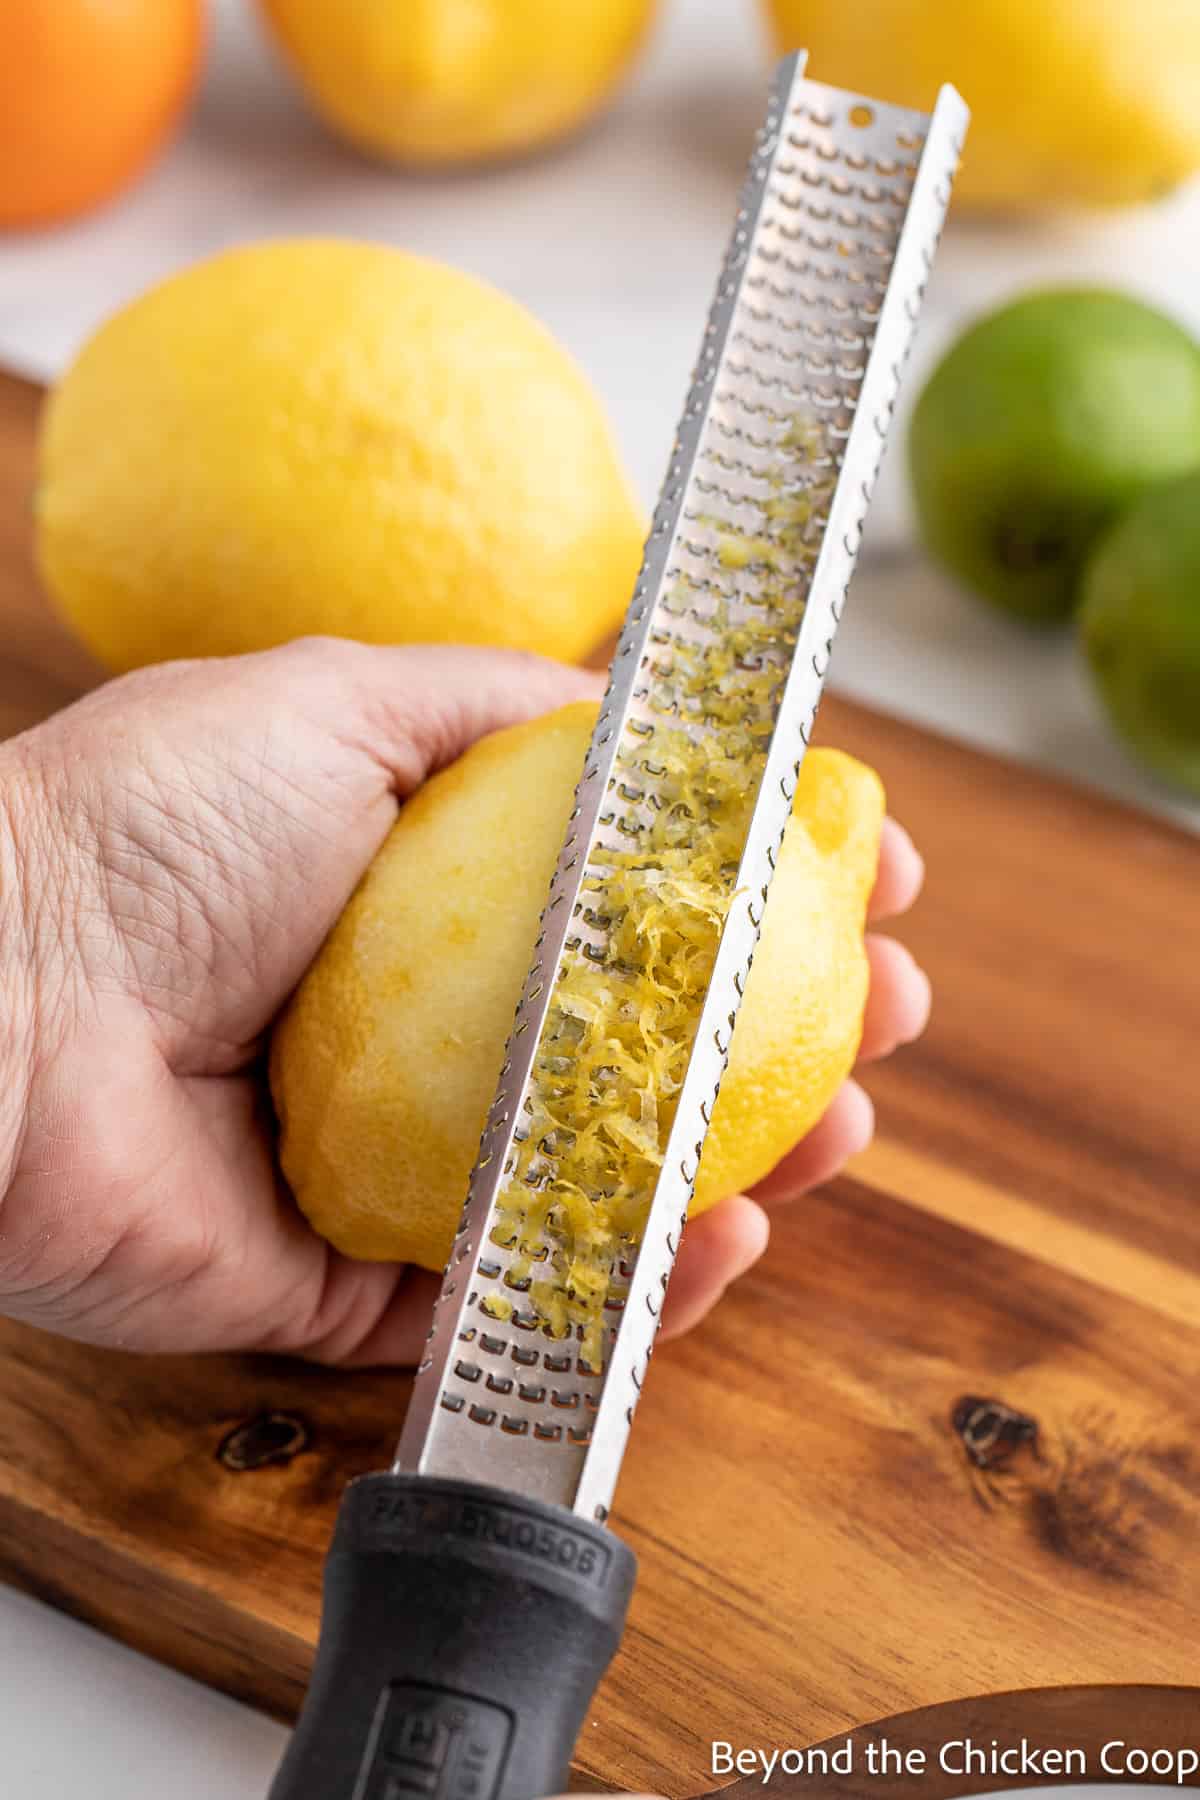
(614, 242)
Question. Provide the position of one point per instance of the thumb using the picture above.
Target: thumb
(245, 796)
(352, 730)
(415, 708)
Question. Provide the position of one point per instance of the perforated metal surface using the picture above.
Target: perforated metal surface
(728, 636)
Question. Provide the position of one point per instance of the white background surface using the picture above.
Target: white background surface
(614, 242)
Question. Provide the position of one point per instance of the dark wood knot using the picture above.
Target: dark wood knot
(992, 1432)
(270, 1437)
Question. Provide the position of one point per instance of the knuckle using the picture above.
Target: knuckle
(319, 650)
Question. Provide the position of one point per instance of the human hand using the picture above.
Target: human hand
(173, 850)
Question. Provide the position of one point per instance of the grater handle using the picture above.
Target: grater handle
(464, 1630)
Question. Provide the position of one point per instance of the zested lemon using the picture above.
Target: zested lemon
(384, 1064)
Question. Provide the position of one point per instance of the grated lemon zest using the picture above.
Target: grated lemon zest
(618, 1032)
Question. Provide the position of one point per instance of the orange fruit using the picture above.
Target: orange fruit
(88, 91)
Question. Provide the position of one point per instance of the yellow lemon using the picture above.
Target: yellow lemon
(385, 1062)
(1072, 101)
(447, 81)
(326, 436)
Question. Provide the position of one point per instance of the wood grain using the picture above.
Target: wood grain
(817, 1548)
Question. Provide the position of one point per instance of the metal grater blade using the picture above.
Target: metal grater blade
(745, 572)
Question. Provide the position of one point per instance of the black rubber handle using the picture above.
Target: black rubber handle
(463, 1633)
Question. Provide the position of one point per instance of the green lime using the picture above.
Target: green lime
(1041, 424)
(1139, 622)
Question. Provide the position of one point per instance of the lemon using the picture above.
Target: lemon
(331, 437)
(447, 81)
(385, 1062)
(1040, 423)
(1072, 101)
(1139, 623)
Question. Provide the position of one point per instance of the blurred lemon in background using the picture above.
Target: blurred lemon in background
(447, 81)
(384, 1065)
(87, 95)
(1092, 101)
(1040, 423)
(327, 436)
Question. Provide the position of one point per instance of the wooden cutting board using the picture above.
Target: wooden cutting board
(817, 1550)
